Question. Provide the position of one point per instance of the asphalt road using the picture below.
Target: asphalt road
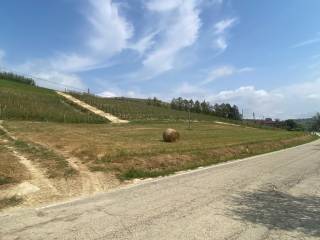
(273, 196)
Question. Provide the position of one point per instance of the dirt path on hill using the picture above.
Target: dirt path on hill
(92, 109)
(40, 189)
(88, 182)
(228, 124)
(36, 190)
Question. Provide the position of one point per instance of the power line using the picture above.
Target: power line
(43, 80)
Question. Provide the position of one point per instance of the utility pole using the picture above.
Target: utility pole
(189, 117)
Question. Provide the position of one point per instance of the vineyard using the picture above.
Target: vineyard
(19, 101)
(138, 109)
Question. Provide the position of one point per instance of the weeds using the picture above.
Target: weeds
(11, 170)
(6, 180)
(10, 202)
(56, 165)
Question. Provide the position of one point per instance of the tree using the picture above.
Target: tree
(291, 125)
(316, 123)
(197, 107)
(235, 114)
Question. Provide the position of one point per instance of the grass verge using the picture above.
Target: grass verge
(194, 160)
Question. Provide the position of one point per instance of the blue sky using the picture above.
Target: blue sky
(263, 56)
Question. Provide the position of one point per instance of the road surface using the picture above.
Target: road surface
(273, 196)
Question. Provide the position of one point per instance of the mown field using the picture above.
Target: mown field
(137, 150)
(20, 101)
(138, 109)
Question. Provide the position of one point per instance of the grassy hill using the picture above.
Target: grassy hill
(138, 109)
(22, 101)
(79, 159)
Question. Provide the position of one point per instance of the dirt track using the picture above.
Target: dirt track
(92, 109)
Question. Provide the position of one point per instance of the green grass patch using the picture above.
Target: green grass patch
(6, 180)
(207, 158)
(139, 109)
(10, 202)
(20, 101)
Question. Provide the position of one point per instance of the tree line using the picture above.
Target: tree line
(224, 110)
(17, 78)
(315, 123)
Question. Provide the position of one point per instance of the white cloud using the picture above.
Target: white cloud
(188, 90)
(292, 101)
(110, 31)
(316, 56)
(163, 5)
(220, 43)
(221, 31)
(72, 62)
(222, 26)
(224, 71)
(181, 33)
(108, 94)
(306, 43)
(144, 44)
(59, 80)
(116, 92)
(109, 34)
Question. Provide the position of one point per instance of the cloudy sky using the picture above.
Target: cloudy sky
(263, 56)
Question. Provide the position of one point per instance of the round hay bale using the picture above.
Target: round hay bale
(171, 135)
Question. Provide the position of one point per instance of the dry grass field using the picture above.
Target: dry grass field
(12, 172)
(137, 150)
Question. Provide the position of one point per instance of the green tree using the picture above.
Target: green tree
(316, 123)
(291, 125)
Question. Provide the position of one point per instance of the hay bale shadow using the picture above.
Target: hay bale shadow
(278, 210)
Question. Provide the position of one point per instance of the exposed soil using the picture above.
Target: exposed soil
(39, 188)
(92, 109)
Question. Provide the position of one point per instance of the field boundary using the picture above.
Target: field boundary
(108, 116)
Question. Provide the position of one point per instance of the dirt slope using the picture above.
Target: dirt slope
(103, 114)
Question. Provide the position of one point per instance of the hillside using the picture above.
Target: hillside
(138, 109)
(21, 101)
(43, 160)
